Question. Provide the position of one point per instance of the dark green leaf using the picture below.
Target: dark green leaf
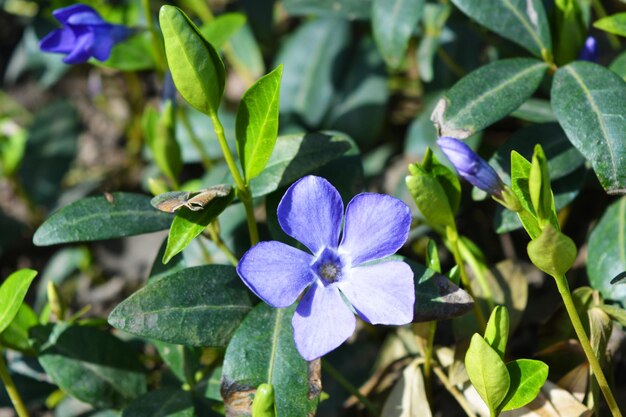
(199, 306)
(262, 350)
(487, 372)
(313, 59)
(196, 67)
(218, 31)
(298, 155)
(486, 95)
(183, 361)
(590, 103)
(93, 366)
(615, 24)
(12, 293)
(188, 224)
(606, 257)
(97, 218)
(16, 335)
(351, 9)
(393, 23)
(257, 123)
(521, 21)
(527, 378)
(164, 402)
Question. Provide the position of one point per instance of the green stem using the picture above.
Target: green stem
(341, 380)
(197, 143)
(479, 273)
(243, 190)
(217, 239)
(14, 395)
(562, 285)
(157, 45)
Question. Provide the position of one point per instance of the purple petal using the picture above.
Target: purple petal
(65, 13)
(101, 48)
(383, 293)
(311, 212)
(59, 41)
(275, 272)
(322, 321)
(377, 225)
(86, 18)
(81, 52)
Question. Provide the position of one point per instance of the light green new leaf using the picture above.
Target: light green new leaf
(487, 372)
(590, 103)
(393, 23)
(527, 378)
(12, 293)
(197, 69)
(552, 252)
(486, 95)
(497, 331)
(613, 24)
(257, 123)
(218, 31)
(16, 335)
(521, 21)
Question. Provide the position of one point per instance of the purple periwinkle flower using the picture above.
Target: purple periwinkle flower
(589, 51)
(84, 35)
(335, 270)
(470, 166)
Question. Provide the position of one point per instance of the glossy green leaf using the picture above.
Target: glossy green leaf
(606, 257)
(16, 335)
(350, 9)
(486, 95)
(12, 293)
(257, 123)
(93, 366)
(97, 218)
(527, 378)
(313, 56)
(165, 402)
(521, 21)
(552, 252)
(393, 23)
(297, 155)
(615, 24)
(262, 350)
(497, 331)
(218, 31)
(197, 69)
(188, 224)
(590, 103)
(487, 372)
(169, 311)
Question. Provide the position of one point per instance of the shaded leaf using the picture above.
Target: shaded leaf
(16, 335)
(134, 54)
(164, 402)
(408, 397)
(12, 293)
(351, 9)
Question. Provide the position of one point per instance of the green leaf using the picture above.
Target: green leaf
(619, 65)
(93, 366)
(197, 69)
(393, 23)
(606, 257)
(297, 155)
(134, 54)
(183, 361)
(497, 331)
(97, 218)
(350, 9)
(539, 188)
(521, 21)
(12, 145)
(552, 252)
(167, 310)
(535, 110)
(160, 132)
(312, 56)
(520, 172)
(616, 313)
(262, 350)
(188, 224)
(257, 123)
(615, 24)
(527, 378)
(246, 53)
(12, 293)
(434, 19)
(218, 31)
(486, 95)
(165, 402)
(487, 372)
(16, 335)
(590, 103)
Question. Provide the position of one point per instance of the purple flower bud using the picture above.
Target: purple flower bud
(84, 35)
(589, 51)
(470, 166)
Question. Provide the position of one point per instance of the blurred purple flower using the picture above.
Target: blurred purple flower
(375, 227)
(84, 35)
(470, 166)
(589, 51)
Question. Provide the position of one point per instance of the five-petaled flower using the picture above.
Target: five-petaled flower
(470, 166)
(84, 35)
(335, 270)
